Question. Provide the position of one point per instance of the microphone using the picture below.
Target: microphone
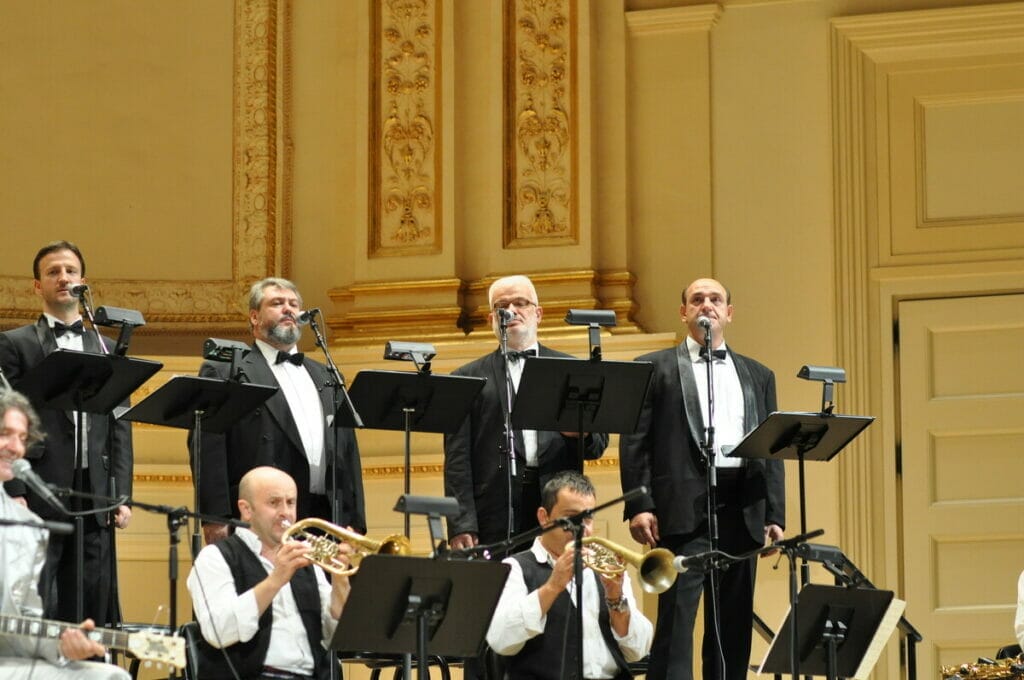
(704, 322)
(78, 290)
(307, 316)
(23, 471)
(684, 563)
(505, 315)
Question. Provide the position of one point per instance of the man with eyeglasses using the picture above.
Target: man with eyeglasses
(476, 466)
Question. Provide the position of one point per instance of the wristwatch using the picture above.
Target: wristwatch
(620, 605)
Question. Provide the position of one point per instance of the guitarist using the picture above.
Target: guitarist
(22, 553)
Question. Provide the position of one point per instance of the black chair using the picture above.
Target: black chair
(1008, 652)
(191, 633)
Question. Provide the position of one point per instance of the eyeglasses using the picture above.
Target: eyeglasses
(519, 303)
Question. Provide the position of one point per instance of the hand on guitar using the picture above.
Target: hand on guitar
(75, 646)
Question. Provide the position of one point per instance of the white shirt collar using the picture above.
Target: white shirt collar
(693, 348)
(270, 352)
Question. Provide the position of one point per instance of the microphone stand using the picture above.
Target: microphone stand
(86, 301)
(713, 560)
(339, 389)
(506, 448)
(712, 504)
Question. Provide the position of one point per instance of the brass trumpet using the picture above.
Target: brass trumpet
(326, 546)
(654, 569)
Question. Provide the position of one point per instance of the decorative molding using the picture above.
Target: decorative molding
(188, 306)
(541, 129)
(427, 309)
(673, 19)
(615, 291)
(405, 134)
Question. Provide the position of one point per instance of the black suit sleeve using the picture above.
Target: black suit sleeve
(775, 472)
(635, 459)
(458, 477)
(214, 493)
(352, 502)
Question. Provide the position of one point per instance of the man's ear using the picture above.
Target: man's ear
(542, 516)
(244, 509)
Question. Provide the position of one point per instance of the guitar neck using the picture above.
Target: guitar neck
(27, 626)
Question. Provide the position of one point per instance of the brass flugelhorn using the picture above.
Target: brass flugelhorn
(654, 568)
(325, 546)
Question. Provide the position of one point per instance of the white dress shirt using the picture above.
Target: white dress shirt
(518, 618)
(226, 617)
(74, 342)
(728, 402)
(515, 369)
(304, 402)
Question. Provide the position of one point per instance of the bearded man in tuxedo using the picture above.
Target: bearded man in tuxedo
(294, 430)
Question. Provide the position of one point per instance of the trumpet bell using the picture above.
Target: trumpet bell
(654, 568)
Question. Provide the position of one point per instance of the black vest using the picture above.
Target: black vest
(541, 657)
(248, 657)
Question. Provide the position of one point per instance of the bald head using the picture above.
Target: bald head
(259, 478)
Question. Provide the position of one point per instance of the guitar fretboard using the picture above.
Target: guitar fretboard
(27, 626)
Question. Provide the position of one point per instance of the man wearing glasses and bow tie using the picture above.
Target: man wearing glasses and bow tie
(57, 267)
(294, 430)
(666, 455)
(476, 462)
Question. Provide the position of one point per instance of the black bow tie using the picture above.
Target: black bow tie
(716, 353)
(515, 355)
(295, 358)
(60, 329)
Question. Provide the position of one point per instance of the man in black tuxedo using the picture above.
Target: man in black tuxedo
(665, 455)
(476, 464)
(293, 430)
(108, 444)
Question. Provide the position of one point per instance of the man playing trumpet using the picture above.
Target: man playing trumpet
(533, 615)
(259, 599)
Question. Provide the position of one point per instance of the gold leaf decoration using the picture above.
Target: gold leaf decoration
(406, 188)
(540, 93)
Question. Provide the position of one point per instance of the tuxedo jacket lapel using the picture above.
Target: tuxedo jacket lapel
(258, 371)
(497, 374)
(691, 398)
(752, 415)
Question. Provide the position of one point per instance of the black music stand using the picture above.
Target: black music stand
(191, 402)
(84, 382)
(411, 401)
(801, 436)
(840, 632)
(400, 605)
(567, 395)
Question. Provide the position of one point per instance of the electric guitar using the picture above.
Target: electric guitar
(146, 646)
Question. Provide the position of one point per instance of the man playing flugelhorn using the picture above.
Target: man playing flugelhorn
(259, 598)
(529, 623)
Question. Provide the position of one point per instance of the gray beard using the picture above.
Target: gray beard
(283, 335)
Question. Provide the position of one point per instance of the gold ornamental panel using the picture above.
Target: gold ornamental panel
(541, 130)
(405, 129)
(214, 305)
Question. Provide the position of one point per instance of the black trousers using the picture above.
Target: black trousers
(672, 650)
(58, 584)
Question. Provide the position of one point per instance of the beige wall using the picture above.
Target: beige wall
(732, 139)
